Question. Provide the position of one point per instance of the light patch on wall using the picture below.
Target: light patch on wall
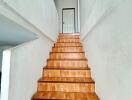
(5, 74)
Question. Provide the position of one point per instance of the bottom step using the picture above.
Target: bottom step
(64, 96)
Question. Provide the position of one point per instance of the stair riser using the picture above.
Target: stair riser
(62, 37)
(68, 49)
(69, 36)
(66, 87)
(66, 76)
(66, 73)
(68, 40)
(67, 56)
(67, 64)
(67, 44)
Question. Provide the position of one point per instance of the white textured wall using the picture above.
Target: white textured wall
(5, 75)
(85, 10)
(92, 12)
(1, 55)
(60, 4)
(42, 14)
(27, 62)
(108, 47)
(2, 48)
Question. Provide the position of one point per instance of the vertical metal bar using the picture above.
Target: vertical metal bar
(74, 21)
(78, 16)
(62, 20)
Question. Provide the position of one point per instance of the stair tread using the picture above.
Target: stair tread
(68, 52)
(67, 42)
(87, 68)
(84, 59)
(66, 46)
(67, 75)
(70, 34)
(64, 96)
(68, 37)
(67, 80)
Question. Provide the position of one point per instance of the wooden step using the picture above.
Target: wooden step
(68, 40)
(67, 56)
(85, 68)
(66, 86)
(69, 36)
(64, 96)
(67, 79)
(66, 73)
(67, 45)
(67, 63)
(68, 49)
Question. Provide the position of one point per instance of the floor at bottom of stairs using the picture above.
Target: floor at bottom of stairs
(64, 96)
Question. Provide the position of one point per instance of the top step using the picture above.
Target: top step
(69, 34)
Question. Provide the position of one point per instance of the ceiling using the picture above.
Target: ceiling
(13, 34)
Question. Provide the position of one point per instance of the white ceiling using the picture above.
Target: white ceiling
(13, 34)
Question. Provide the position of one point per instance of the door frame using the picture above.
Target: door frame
(74, 17)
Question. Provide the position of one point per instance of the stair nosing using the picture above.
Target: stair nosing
(68, 42)
(68, 38)
(75, 82)
(66, 82)
(69, 46)
(45, 68)
(35, 98)
(70, 33)
(63, 37)
(66, 52)
(67, 59)
(65, 46)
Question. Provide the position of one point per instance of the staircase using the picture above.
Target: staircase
(67, 75)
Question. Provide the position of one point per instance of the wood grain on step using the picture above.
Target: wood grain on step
(67, 56)
(68, 45)
(64, 96)
(67, 79)
(68, 49)
(69, 36)
(66, 75)
(68, 40)
(66, 86)
(67, 63)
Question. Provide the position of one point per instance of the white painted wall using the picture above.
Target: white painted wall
(85, 10)
(27, 62)
(40, 15)
(2, 48)
(108, 47)
(92, 12)
(1, 55)
(60, 4)
(5, 75)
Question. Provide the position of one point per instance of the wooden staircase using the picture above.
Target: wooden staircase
(67, 75)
